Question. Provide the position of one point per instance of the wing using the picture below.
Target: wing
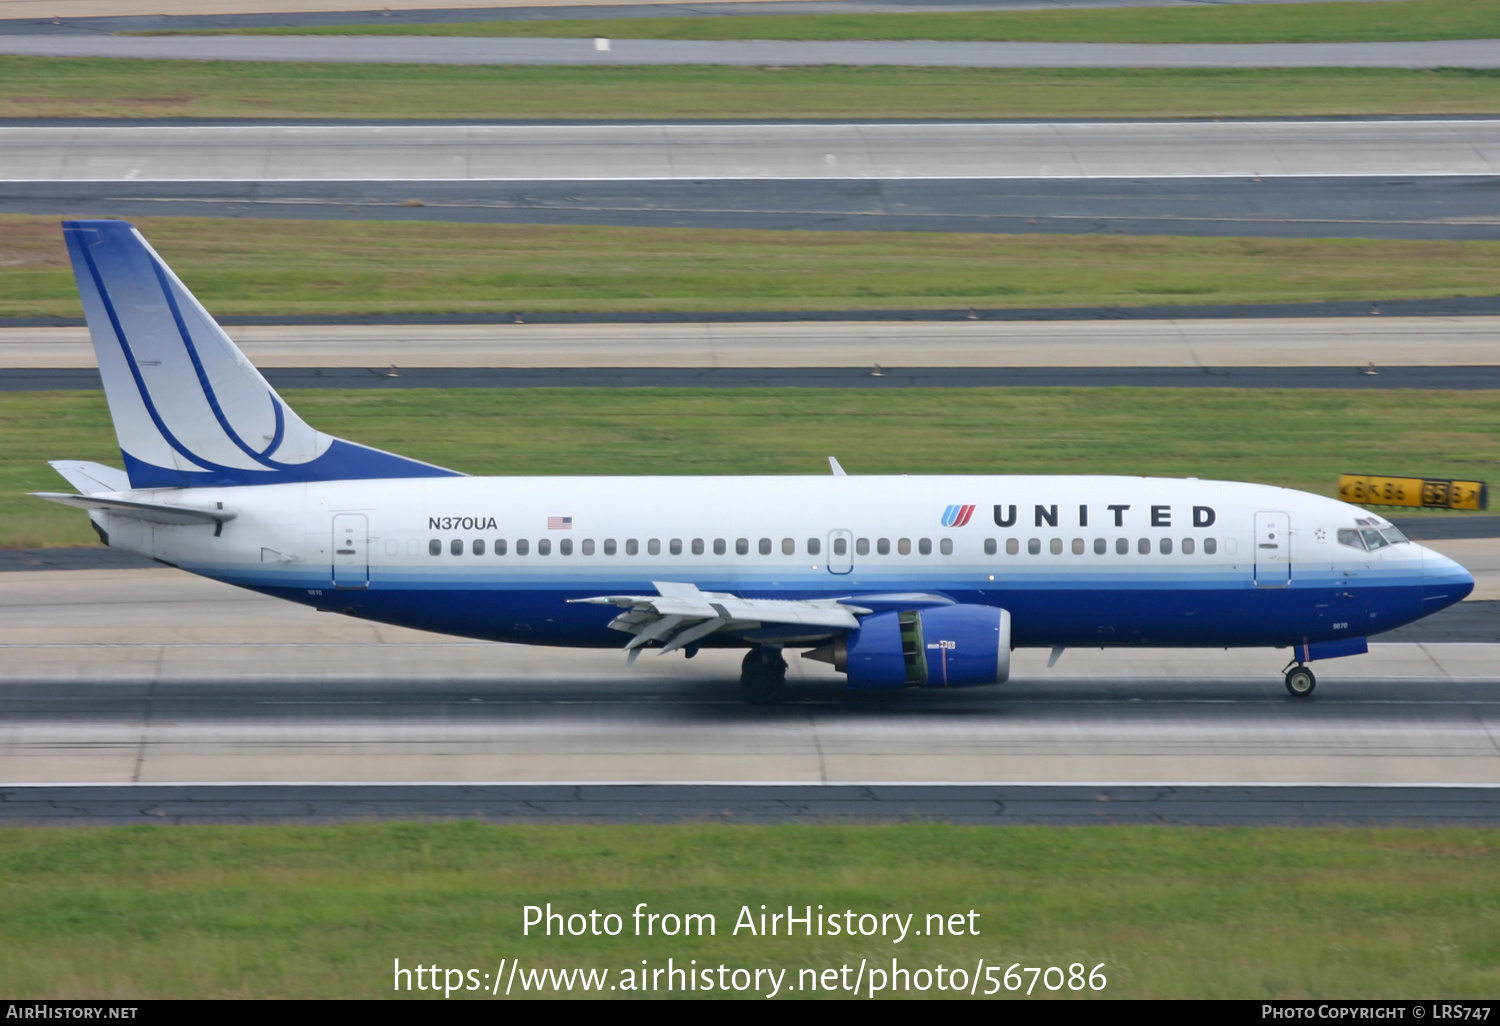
(680, 615)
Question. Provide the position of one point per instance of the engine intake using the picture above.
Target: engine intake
(943, 647)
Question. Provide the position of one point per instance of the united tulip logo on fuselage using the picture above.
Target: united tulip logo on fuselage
(957, 516)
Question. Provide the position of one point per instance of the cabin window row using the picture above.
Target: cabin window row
(1101, 546)
(698, 547)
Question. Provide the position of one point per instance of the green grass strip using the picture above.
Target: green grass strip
(78, 87)
(1298, 438)
(1270, 23)
(298, 267)
(267, 912)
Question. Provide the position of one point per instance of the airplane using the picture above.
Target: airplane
(897, 581)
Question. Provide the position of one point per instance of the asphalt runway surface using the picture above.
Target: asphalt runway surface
(531, 154)
(1461, 53)
(154, 676)
(1458, 378)
(1292, 346)
(1455, 207)
(65, 17)
(968, 805)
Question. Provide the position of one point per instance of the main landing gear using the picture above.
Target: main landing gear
(763, 676)
(1300, 681)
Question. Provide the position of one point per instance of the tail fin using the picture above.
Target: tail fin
(189, 409)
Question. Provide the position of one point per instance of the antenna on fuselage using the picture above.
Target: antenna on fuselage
(833, 465)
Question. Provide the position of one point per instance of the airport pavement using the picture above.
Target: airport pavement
(119, 676)
(93, 16)
(965, 804)
(1475, 54)
(1456, 207)
(621, 151)
(1225, 344)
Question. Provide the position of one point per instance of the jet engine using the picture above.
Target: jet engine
(943, 647)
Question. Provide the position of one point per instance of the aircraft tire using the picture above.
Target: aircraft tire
(1300, 682)
(763, 677)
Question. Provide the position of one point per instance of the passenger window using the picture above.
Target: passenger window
(609, 547)
(720, 546)
(522, 546)
(946, 546)
(478, 547)
(434, 548)
(1122, 545)
(392, 547)
(1100, 546)
(788, 547)
(883, 547)
(697, 546)
(632, 546)
(456, 546)
(544, 546)
(841, 546)
(904, 546)
(1077, 546)
(1210, 546)
(565, 546)
(588, 546)
(1012, 546)
(1231, 546)
(862, 547)
(990, 548)
(1187, 546)
(1143, 546)
(1034, 546)
(1350, 537)
(765, 546)
(411, 547)
(814, 546)
(499, 546)
(1165, 547)
(742, 546)
(675, 546)
(1055, 545)
(653, 547)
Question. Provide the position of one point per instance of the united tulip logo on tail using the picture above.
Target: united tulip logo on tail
(957, 516)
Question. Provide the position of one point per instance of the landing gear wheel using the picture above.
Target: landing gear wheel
(1300, 681)
(763, 676)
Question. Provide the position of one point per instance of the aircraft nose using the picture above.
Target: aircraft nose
(1444, 581)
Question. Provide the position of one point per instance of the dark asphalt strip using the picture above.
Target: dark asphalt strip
(1436, 207)
(1456, 378)
(969, 804)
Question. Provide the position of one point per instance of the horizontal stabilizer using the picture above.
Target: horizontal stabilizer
(92, 478)
(156, 512)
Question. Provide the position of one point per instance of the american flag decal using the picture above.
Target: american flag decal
(559, 523)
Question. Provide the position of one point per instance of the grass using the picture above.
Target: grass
(1279, 23)
(1301, 439)
(87, 87)
(269, 912)
(299, 267)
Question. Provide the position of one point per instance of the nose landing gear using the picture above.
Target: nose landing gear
(1300, 681)
(763, 676)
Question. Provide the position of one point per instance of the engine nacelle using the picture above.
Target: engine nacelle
(942, 647)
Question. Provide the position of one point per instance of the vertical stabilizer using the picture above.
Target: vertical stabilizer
(189, 409)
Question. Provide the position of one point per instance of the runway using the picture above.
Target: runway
(1387, 207)
(967, 805)
(1202, 347)
(1460, 53)
(681, 152)
(152, 676)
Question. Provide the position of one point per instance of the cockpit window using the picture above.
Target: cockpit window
(1392, 535)
(1373, 539)
(1350, 537)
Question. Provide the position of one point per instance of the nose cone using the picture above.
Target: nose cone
(1444, 582)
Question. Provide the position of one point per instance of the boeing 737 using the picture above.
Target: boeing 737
(896, 581)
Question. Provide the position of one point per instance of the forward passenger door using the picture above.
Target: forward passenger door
(1273, 550)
